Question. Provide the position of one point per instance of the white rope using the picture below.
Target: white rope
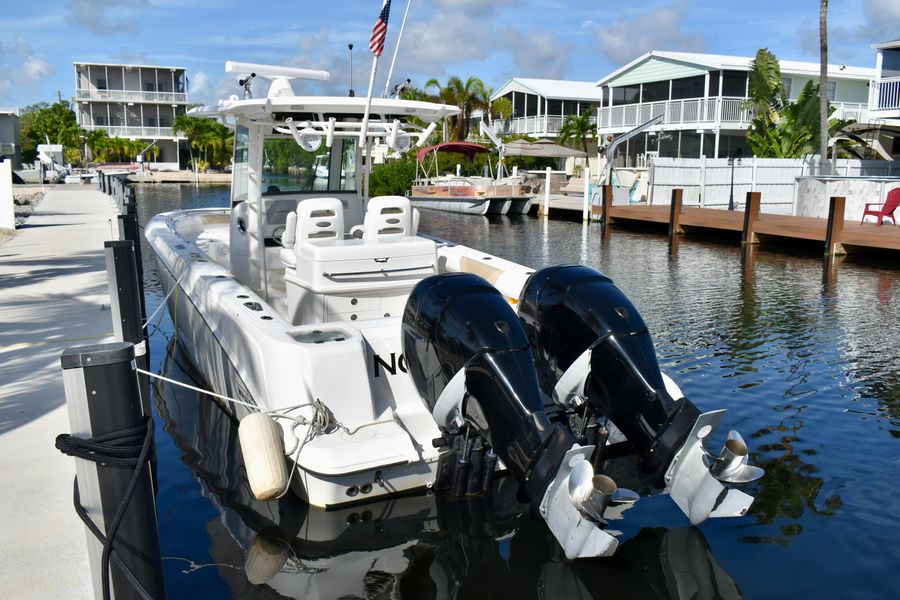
(165, 299)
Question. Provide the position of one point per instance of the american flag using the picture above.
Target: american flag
(376, 43)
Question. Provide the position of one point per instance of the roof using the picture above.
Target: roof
(8, 110)
(553, 88)
(127, 66)
(544, 148)
(467, 148)
(715, 62)
(885, 45)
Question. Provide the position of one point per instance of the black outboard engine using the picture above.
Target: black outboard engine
(587, 337)
(470, 361)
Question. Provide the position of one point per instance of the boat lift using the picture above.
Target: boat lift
(617, 141)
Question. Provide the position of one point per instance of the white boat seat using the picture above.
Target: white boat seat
(388, 217)
(288, 257)
(319, 219)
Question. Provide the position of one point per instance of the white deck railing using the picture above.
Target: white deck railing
(531, 125)
(702, 112)
(134, 131)
(131, 96)
(886, 94)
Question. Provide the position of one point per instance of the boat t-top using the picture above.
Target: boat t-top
(364, 359)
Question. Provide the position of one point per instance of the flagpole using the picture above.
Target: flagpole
(364, 130)
(387, 83)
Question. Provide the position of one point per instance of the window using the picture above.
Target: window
(554, 107)
(241, 159)
(786, 82)
(151, 121)
(688, 87)
(656, 91)
(101, 84)
(163, 122)
(895, 145)
(100, 120)
(832, 88)
(713, 89)
(531, 105)
(734, 83)
(518, 105)
(149, 86)
(890, 62)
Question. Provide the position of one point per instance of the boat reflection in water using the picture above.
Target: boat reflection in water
(419, 546)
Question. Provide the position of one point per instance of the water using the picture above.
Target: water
(807, 366)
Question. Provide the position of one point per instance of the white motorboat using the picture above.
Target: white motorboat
(476, 195)
(388, 361)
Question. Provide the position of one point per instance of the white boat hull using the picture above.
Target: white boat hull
(450, 204)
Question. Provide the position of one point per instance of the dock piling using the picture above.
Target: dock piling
(607, 205)
(586, 208)
(113, 491)
(675, 213)
(835, 226)
(751, 218)
(545, 210)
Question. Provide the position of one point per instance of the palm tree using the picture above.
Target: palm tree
(191, 128)
(823, 86)
(96, 141)
(577, 128)
(466, 96)
(766, 89)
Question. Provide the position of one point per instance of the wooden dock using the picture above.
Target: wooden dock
(752, 226)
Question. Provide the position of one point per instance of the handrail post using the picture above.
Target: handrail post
(751, 218)
(675, 213)
(835, 226)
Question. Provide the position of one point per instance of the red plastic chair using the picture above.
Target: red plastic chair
(887, 208)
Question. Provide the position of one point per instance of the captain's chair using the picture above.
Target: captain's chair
(388, 217)
(315, 219)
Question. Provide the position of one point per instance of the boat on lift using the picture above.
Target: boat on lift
(476, 195)
(366, 360)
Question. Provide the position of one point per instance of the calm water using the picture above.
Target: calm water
(808, 367)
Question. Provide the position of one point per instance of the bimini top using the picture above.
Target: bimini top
(467, 148)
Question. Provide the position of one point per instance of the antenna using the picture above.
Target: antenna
(396, 50)
(352, 93)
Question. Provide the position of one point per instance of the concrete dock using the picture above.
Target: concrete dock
(53, 295)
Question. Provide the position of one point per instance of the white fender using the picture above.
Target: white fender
(262, 445)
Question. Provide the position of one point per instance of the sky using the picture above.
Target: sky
(492, 39)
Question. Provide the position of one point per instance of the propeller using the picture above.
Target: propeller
(731, 465)
(593, 494)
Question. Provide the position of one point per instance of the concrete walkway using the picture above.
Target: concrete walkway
(53, 295)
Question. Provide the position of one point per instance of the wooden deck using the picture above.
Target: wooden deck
(853, 237)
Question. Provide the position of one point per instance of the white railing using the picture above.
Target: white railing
(531, 125)
(703, 112)
(886, 94)
(692, 111)
(134, 131)
(131, 96)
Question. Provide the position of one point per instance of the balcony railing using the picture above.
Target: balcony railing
(132, 131)
(531, 125)
(703, 112)
(886, 94)
(131, 96)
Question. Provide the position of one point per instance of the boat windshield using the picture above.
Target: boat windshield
(289, 168)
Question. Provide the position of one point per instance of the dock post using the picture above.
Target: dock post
(605, 217)
(546, 208)
(111, 440)
(125, 292)
(835, 226)
(586, 206)
(751, 218)
(675, 213)
(7, 199)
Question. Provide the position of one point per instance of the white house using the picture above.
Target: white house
(137, 102)
(701, 98)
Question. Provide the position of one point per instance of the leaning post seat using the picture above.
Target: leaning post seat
(344, 279)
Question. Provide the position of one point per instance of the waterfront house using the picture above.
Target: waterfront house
(9, 135)
(701, 98)
(884, 97)
(136, 102)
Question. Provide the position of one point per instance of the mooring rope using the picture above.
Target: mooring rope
(126, 447)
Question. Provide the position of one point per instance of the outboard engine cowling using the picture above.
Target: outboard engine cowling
(472, 366)
(591, 345)
(574, 313)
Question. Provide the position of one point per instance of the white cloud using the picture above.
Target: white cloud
(199, 83)
(107, 18)
(19, 66)
(542, 54)
(660, 29)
